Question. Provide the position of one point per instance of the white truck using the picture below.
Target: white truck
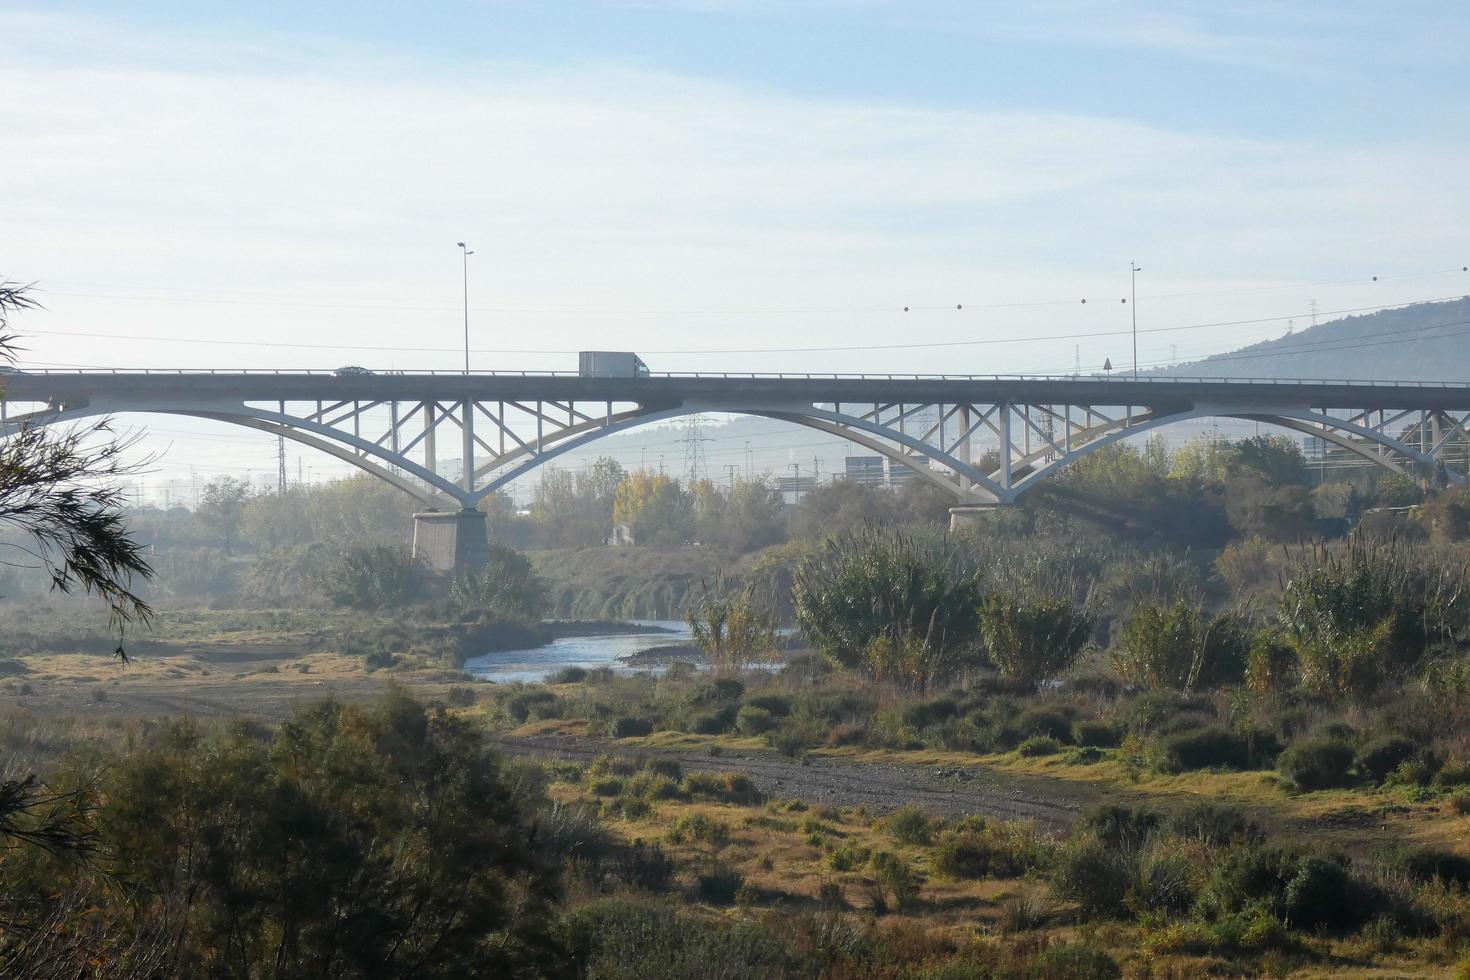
(610, 364)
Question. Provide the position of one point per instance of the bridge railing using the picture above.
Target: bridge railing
(742, 375)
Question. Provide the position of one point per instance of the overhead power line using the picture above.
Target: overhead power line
(913, 345)
(259, 299)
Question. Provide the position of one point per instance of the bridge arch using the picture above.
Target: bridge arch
(1031, 451)
(1327, 427)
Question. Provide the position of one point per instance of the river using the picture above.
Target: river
(533, 665)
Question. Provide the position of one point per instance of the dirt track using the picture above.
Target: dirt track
(843, 782)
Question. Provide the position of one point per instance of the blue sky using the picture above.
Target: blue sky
(1338, 70)
(711, 181)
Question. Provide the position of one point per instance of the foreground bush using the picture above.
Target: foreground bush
(358, 842)
(1319, 763)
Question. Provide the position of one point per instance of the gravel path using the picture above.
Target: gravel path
(949, 791)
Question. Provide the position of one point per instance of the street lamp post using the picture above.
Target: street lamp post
(1134, 270)
(466, 256)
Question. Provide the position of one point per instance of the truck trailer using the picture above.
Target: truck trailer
(610, 364)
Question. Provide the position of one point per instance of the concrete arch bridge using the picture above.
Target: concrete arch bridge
(986, 440)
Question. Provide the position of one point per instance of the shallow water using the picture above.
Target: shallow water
(533, 665)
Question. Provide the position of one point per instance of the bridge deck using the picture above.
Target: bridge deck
(73, 387)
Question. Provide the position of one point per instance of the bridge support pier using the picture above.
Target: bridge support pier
(449, 541)
(967, 515)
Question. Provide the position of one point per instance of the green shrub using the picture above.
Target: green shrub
(1454, 772)
(1339, 730)
(568, 675)
(519, 707)
(630, 727)
(1319, 763)
(1034, 637)
(720, 885)
(713, 722)
(740, 789)
(1094, 876)
(671, 768)
(1206, 748)
(988, 849)
(1040, 720)
(778, 705)
(375, 577)
(895, 880)
(1148, 713)
(1074, 962)
(1381, 756)
(652, 786)
(505, 584)
(789, 740)
(718, 689)
(606, 786)
(922, 714)
(1162, 878)
(1363, 616)
(1431, 864)
(1215, 824)
(1179, 648)
(847, 856)
(1118, 827)
(461, 697)
(1305, 890)
(910, 825)
(1039, 745)
(700, 828)
(705, 784)
(621, 938)
(897, 605)
(754, 721)
(1096, 734)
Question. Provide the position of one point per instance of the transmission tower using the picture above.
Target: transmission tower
(281, 465)
(694, 461)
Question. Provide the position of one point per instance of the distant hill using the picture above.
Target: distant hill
(1423, 342)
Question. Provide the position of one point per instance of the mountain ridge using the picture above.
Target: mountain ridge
(1422, 342)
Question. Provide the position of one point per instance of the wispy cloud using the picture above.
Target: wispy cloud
(348, 179)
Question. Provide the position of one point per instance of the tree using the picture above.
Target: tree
(222, 509)
(1277, 459)
(60, 491)
(575, 510)
(657, 509)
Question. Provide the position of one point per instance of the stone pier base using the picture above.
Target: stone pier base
(965, 515)
(449, 541)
